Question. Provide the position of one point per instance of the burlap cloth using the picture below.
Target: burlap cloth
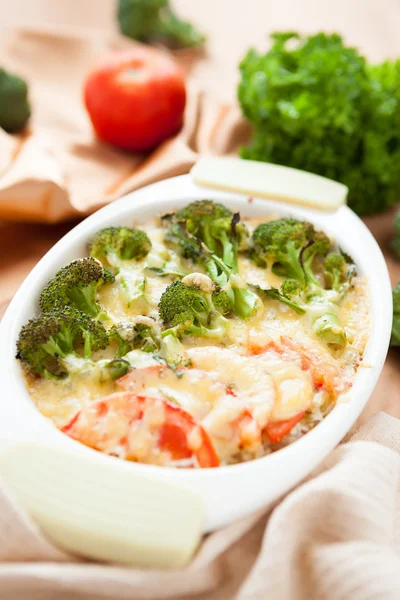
(336, 536)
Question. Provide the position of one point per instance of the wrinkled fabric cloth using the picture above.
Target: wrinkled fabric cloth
(335, 537)
(57, 169)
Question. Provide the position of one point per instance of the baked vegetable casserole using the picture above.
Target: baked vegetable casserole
(197, 340)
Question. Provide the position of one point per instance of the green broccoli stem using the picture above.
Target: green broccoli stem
(84, 299)
(291, 266)
(134, 290)
(244, 301)
(87, 344)
(229, 251)
(61, 345)
(171, 346)
(328, 327)
(165, 272)
(200, 330)
(275, 294)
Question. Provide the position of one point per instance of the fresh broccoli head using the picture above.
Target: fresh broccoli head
(187, 307)
(45, 341)
(395, 339)
(76, 285)
(396, 236)
(115, 244)
(14, 104)
(155, 21)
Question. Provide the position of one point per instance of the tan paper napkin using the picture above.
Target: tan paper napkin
(58, 169)
(335, 537)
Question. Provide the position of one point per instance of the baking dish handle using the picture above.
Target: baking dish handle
(92, 508)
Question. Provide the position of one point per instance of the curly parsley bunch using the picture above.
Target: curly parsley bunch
(317, 105)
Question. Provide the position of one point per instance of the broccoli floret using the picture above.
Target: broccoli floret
(396, 236)
(217, 227)
(395, 339)
(186, 246)
(115, 244)
(279, 244)
(199, 217)
(172, 351)
(243, 302)
(76, 285)
(320, 307)
(45, 341)
(339, 272)
(15, 109)
(222, 301)
(318, 247)
(295, 250)
(335, 265)
(142, 334)
(155, 21)
(187, 308)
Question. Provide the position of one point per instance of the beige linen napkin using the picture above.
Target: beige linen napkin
(57, 169)
(335, 537)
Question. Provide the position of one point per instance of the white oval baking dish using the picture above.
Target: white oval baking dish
(227, 492)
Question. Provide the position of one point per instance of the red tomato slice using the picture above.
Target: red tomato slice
(278, 430)
(174, 437)
(110, 423)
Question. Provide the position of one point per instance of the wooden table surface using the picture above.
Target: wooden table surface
(232, 26)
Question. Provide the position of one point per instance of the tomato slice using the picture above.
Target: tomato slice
(278, 430)
(183, 437)
(117, 423)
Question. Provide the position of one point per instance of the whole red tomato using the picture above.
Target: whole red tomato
(136, 99)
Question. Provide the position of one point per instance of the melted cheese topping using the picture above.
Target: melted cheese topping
(236, 391)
